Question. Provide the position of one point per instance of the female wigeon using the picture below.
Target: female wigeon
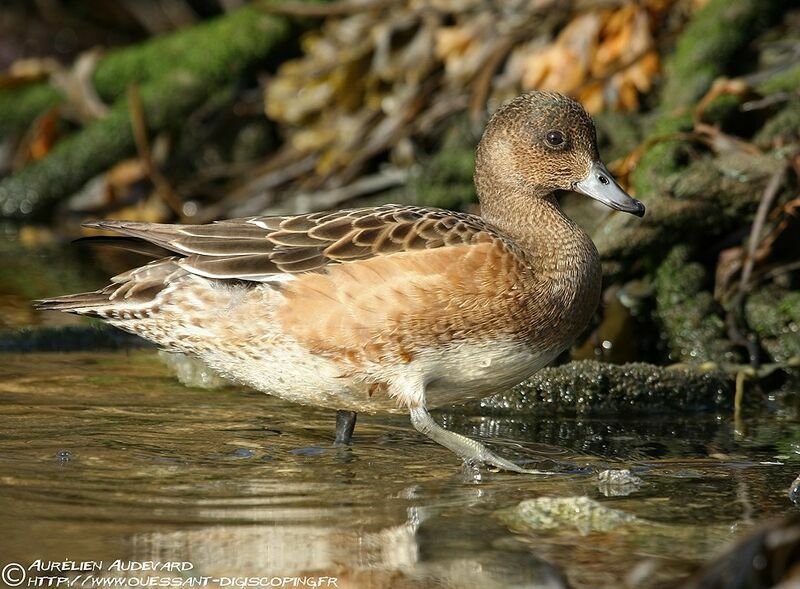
(393, 308)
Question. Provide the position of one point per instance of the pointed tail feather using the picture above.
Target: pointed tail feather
(133, 291)
(157, 234)
(85, 303)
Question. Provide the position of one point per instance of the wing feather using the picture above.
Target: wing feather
(260, 248)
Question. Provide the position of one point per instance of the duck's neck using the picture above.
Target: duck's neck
(553, 243)
(565, 276)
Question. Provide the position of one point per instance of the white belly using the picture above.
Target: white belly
(446, 375)
(464, 372)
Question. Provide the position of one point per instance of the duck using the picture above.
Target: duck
(393, 308)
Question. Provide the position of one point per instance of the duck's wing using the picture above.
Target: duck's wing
(263, 249)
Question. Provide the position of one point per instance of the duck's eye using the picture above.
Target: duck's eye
(555, 138)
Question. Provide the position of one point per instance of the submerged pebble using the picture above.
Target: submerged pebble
(617, 483)
(564, 514)
(308, 451)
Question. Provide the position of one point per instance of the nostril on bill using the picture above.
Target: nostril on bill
(603, 179)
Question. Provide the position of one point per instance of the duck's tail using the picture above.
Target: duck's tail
(130, 294)
(90, 304)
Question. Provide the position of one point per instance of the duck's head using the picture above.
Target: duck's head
(541, 142)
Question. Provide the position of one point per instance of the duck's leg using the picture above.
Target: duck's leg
(471, 451)
(345, 424)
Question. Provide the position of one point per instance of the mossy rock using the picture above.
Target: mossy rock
(774, 314)
(666, 156)
(711, 42)
(594, 388)
(781, 129)
(564, 514)
(177, 73)
(787, 80)
(693, 327)
(711, 196)
(212, 47)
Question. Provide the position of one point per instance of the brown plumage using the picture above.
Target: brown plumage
(256, 248)
(392, 307)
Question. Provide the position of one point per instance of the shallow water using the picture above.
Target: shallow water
(105, 456)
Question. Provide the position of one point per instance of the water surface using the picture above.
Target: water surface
(106, 456)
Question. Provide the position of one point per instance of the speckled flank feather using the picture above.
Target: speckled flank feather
(380, 308)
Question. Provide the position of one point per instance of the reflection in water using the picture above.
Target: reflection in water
(106, 456)
(387, 557)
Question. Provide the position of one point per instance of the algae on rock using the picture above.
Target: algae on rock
(694, 330)
(774, 314)
(594, 388)
(562, 514)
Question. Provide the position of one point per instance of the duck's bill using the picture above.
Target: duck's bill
(600, 185)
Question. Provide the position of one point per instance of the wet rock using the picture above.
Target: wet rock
(595, 388)
(564, 513)
(244, 453)
(311, 451)
(617, 483)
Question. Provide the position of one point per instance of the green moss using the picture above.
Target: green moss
(722, 109)
(65, 169)
(594, 388)
(732, 181)
(774, 314)
(781, 129)
(664, 157)
(787, 80)
(20, 106)
(446, 179)
(704, 51)
(206, 49)
(692, 326)
(707, 198)
(229, 44)
(709, 45)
